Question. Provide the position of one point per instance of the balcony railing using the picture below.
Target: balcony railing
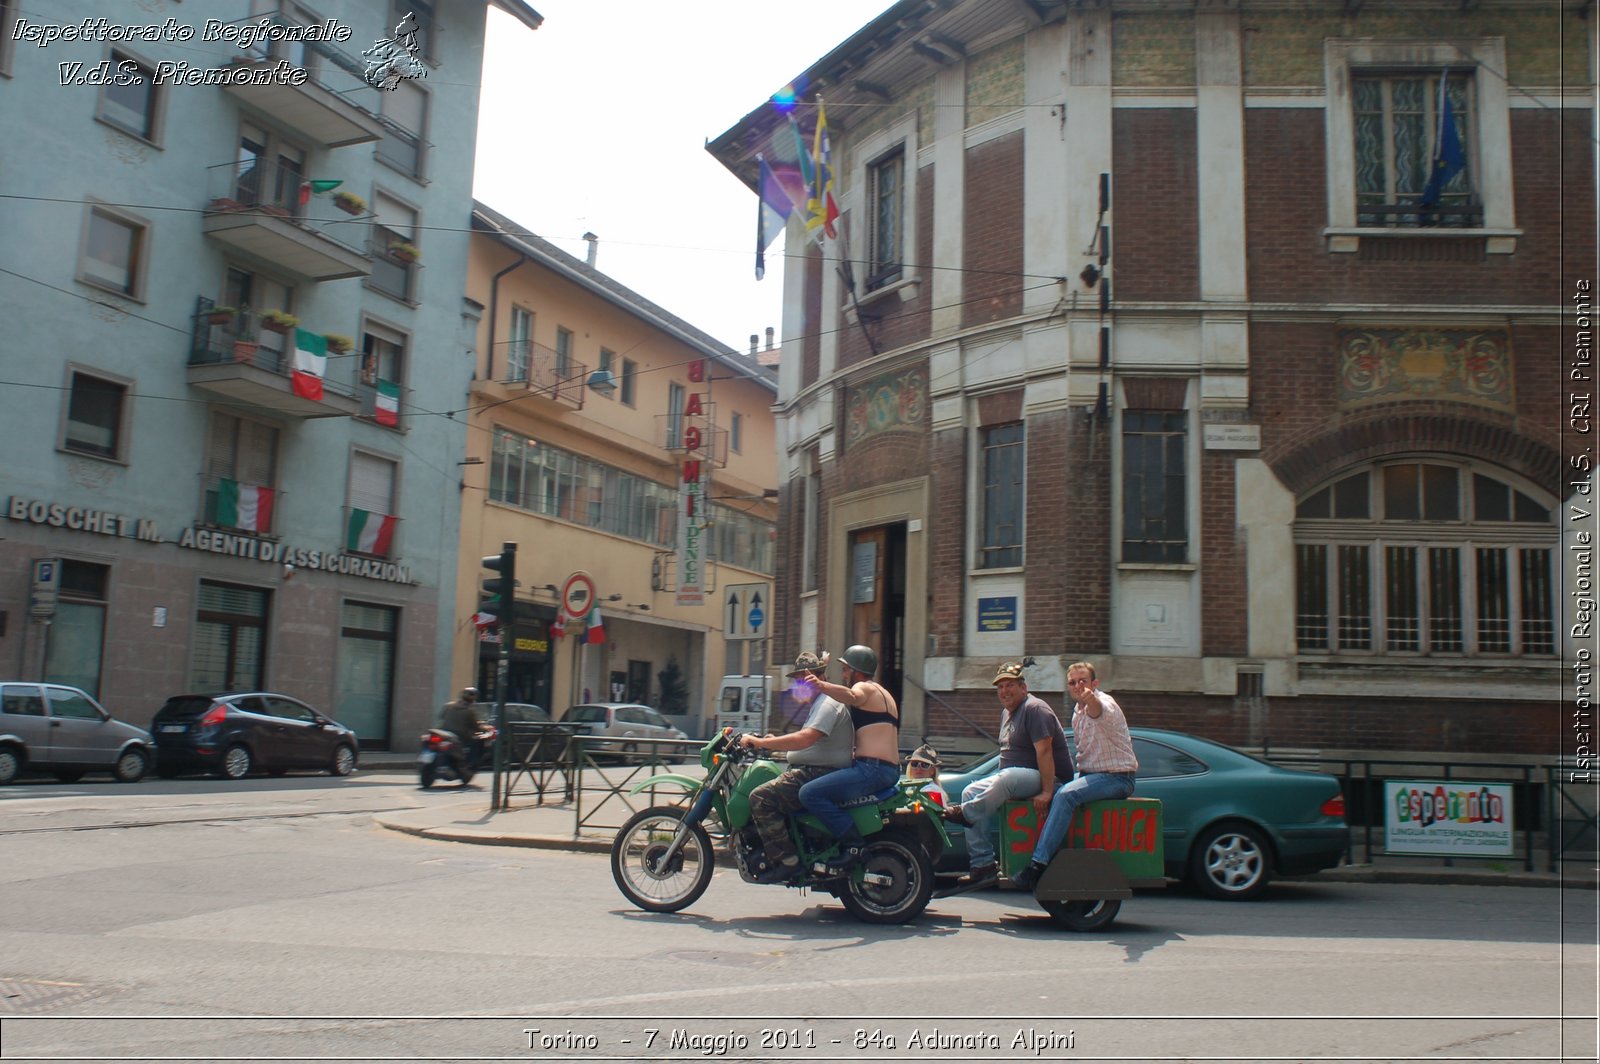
(256, 207)
(547, 372)
(334, 106)
(1414, 216)
(243, 363)
(672, 434)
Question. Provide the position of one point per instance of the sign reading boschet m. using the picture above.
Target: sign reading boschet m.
(1450, 818)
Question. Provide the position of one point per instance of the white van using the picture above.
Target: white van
(743, 703)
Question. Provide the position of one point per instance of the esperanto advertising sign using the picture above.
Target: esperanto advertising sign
(1452, 818)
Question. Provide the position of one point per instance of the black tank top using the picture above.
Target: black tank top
(860, 718)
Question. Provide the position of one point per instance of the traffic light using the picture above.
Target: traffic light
(499, 592)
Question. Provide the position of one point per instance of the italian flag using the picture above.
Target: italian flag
(370, 533)
(247, 506)
(597, 628)
(386, 406)
(310, 364)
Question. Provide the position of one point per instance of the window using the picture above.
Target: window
(241, 473)
(8, 18)
(1423, 557)
(1397, 124)
(563, 353)
(383, 355)
(114, 251)
(736, 433)
(608, 360)
(1000, 544)
(1154, 486)
(739, 539)
(21, 700)
(229, 638)
(96, 411)
(886, 189)
(677, 396)
(255, 293)
(427, 25)
(811, 522)
(368, 635)
(546, 480)
(405, 120)
(1160, 760)
(70, 705)
(130, 100)
(394, 226)
(519, 347)
(75, 639)
(629, 371)
(371, 524)
(1381, 121)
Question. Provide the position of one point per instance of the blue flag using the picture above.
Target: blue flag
(1448, 159)
(772, 213)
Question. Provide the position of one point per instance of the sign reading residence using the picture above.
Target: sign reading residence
(1451, 818)
(692, 482)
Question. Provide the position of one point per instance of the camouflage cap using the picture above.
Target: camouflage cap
(1009, 671)
(808, 662)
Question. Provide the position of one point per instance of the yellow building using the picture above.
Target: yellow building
(632, 459)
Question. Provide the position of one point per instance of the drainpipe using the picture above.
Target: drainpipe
(494, 312)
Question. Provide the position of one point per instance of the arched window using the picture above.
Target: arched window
(1424, 557)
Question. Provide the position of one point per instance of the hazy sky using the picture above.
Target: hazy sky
(597, 122)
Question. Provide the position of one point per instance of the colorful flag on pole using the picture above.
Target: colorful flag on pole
(247, 506)
(558, 627)
(821, 210)
(370, 533)
(386, 404)
(808, 176)
(773, 208)
(481, 621)
(310, 364)
(597, 628)
(1449, 159)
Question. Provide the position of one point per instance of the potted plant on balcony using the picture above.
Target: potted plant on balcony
(339, 344)
(405, 252)
(278, 321)
(222, 315)
(350, 203)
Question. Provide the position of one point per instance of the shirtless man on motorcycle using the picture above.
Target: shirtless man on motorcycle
(822, 745)
(876, 765)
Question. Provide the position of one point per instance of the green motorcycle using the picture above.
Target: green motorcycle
(662, 859)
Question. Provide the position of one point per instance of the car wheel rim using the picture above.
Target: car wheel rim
(130, 764)
(343, 760)
(8, 765)
(237, 762)
(1234, 863)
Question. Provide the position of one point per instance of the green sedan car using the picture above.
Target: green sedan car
(1231, 821)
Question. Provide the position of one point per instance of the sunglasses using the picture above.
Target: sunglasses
(922, 764)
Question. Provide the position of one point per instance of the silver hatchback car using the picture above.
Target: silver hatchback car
(55, 728)
(626, 727)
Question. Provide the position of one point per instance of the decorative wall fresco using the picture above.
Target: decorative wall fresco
(1459, 365)
(894, 402)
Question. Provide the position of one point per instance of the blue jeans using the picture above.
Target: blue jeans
(981, 799)
(821, 797)
(1084, 788)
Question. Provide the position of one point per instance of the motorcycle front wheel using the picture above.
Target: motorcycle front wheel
(637, 864)
(902, 881)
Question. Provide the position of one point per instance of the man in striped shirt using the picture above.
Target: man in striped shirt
(1105, 762)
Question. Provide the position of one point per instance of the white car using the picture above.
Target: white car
(628, 728)
(55, 728)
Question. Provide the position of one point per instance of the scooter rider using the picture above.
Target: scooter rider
(462, 719)
(822, 745)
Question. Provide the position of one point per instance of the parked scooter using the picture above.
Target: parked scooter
(444, 756)
(662, 859)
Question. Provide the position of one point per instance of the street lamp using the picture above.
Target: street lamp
(604, 382)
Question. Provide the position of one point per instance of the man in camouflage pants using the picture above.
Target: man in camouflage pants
(824, 743)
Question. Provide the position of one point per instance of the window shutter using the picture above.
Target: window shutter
(258, 447)
(372, 483)
(221, 454)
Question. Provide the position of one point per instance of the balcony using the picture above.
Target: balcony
(539, 371)
(334, 107)
(678, 432)
(243, 364)
(254, 207)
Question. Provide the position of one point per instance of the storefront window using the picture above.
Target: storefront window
(229, 638)
(77, 632)
(366, 669)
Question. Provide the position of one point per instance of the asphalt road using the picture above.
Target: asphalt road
(197, 919)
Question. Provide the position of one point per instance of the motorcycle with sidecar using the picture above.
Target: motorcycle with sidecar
(662, 859)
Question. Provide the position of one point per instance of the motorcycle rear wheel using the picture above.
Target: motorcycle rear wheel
(638, 849)
(425, 776)
(900, 858)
